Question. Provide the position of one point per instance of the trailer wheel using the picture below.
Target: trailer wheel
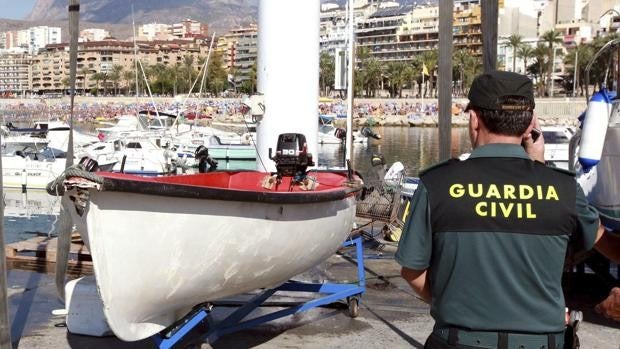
(354, 306)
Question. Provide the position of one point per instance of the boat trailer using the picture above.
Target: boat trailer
(330, 293)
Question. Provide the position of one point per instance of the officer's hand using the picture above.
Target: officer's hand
(536, 150)
(610, 307)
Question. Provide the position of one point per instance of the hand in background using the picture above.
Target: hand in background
(610, 307)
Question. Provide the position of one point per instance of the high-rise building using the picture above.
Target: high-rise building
(239, 50)
(14, 74)
(36, 38)
(154, 31)
(94, 34)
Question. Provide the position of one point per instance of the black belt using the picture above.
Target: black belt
(501, 340)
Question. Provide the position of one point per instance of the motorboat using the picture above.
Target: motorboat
(30, 165)
(209, 235)
(329, 134)
(557, 139)
(132, 155)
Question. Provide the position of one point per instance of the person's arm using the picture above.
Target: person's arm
(415, 245)
(418, 280)
(610, 307)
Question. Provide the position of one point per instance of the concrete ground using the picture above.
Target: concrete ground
(390, 315)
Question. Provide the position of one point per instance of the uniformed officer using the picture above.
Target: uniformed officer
(487, 237)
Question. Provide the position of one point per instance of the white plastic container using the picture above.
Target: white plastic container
(85, 308)
(594, 129)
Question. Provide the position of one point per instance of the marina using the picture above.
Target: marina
(161, 230)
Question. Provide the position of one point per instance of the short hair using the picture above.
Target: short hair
(507, 122)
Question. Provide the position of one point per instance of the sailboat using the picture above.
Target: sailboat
(161, 245)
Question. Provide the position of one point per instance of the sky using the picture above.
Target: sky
(15, 9)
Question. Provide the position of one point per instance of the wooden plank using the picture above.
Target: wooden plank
(44, 248)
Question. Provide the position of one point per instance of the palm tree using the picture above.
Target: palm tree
(188, 62)
(539, 69)
(97, 77)
(515, 41)
(128, 77)
(394, 72)
(412, 73)
(104, 78)
(551, 38)
(115, 76)
(430, 60)
(326, 72)
(525, 52)
(84, 72)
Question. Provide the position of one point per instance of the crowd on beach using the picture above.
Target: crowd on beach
(387, 108)
(216, 109)
(111, 110)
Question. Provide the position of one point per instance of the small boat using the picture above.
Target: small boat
(132, 155)
(557, 139)
(30, 165)
(253, 224)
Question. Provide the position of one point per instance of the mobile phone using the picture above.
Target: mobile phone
(535, 134)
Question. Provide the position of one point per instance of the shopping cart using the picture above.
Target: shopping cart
(381, 201)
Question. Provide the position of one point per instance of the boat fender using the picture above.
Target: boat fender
(246, 138)
(395, 173)
(594, 128)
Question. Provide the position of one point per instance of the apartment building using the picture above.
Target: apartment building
(94, 34)
(391, 32)
(50, 68)
(239, 50)
(188, 28)
(14, 73)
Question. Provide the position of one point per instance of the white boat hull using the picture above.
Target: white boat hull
(18, 172)
(174, 256)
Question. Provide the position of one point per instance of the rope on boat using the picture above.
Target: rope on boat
(57, 188)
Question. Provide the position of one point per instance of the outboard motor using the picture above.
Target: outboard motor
(368, 132)
(292, 157)
(202, 155)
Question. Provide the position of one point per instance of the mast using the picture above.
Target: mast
(288, 79)
(350, 84)
(135, 49)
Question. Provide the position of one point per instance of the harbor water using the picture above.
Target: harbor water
(36, 213)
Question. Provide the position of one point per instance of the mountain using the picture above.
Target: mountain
(115, 15)
(218, 14)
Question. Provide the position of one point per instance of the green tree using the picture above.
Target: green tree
(115, 76)
(84, 71)
(551, 38)
(128, 77)
(540, 67)
(430, 60)
(396, 78)
(326, 72)
(217, 77)
(466, 67)
(98, 77)
(525, 52)
(188, 64)
(515, 41)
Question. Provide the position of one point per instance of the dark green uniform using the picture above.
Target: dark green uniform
(493, 232)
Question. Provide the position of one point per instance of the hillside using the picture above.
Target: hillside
(219, 14)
